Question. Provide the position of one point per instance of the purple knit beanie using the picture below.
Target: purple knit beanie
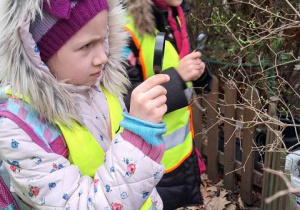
(61, 20)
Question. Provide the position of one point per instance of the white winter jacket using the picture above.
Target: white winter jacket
(47, 180)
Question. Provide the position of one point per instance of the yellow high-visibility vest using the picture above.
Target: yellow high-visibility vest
(80, 141)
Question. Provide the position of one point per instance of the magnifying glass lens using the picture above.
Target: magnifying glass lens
(201, 41)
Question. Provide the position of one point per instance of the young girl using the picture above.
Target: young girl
(60, 139)
(180, 185)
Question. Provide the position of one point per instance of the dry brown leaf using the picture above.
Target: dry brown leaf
(212, 188)
(231, 207)
(206, 196)
(205, 180)
(220, 183)
(204, 184)
(219, 203)
(240, 202)
(210, 193)
(223, 193)
(191, 208)
(207, 200)
(204, 176)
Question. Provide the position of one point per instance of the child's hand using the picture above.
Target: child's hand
(148, 100)
(191, 67)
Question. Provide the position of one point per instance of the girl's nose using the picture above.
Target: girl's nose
(100, 56)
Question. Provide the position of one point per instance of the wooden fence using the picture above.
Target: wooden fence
(216, 104)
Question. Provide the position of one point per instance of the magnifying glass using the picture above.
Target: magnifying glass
(201, 41)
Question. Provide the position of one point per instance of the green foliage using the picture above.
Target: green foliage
(277, 44)
(246, 38)
(237, 29)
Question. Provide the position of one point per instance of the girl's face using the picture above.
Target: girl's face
(173, 3)
(81, 59)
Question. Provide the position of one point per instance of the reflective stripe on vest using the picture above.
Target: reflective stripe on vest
(178, 137)
(170, 156)
(188, 93)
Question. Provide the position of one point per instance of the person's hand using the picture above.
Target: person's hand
(148, 100)
(191, 67)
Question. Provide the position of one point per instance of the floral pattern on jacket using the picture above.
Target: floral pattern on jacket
(48, 181)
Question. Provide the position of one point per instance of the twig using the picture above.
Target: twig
(293, 8)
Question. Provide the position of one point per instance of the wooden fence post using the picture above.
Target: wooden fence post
(197, 123)
(273, 160)
(229, 136)
(251, 97)
(212, 132)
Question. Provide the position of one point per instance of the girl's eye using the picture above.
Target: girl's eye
(85, 47)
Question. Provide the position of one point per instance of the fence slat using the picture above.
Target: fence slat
(212, 133)
(197, 124)
(229, 136)
(258, 177)
(251, 97)
(273, 183)
(268, 184)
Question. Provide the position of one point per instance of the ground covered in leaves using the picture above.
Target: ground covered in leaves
(215, 197)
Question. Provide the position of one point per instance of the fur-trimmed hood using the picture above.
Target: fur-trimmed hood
(142, 14)
(23, 69)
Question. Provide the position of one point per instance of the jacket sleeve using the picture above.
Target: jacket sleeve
(176, 97)
(203, 84)
(48, 181)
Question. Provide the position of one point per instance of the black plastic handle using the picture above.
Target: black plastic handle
(159, 52)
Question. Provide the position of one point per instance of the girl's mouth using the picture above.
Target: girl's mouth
(96, 74)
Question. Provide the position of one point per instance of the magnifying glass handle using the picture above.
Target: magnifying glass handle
(159, 49)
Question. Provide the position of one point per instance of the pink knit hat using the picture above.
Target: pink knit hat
(61, 20)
